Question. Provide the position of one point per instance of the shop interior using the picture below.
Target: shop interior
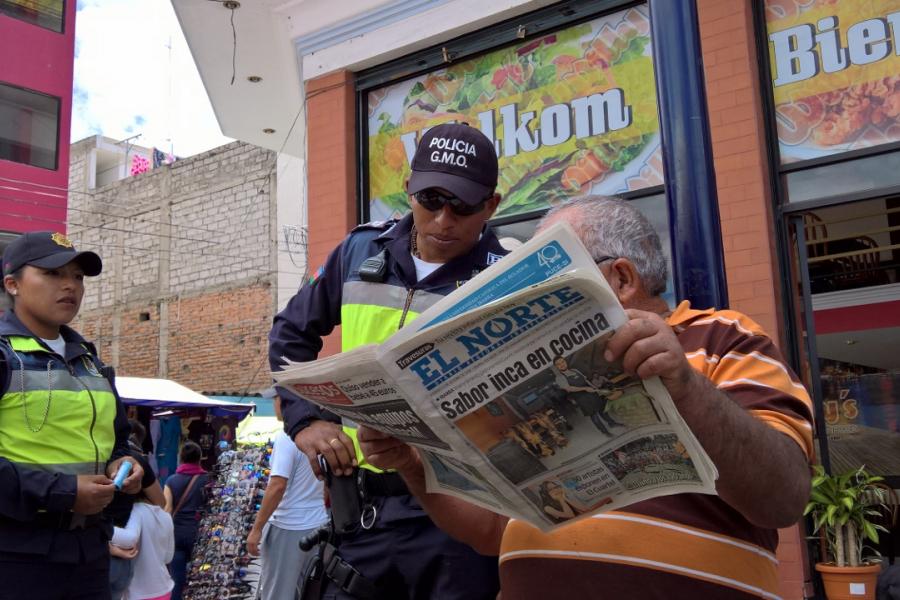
(852, 269)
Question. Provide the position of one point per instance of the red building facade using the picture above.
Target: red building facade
(37, 43)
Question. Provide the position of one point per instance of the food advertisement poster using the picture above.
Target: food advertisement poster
(835, 75)
(570, 113)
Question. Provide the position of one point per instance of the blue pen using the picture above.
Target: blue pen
(121, 474)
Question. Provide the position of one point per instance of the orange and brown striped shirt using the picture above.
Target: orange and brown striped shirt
(686, 545)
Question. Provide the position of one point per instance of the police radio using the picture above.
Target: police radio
(374, 268)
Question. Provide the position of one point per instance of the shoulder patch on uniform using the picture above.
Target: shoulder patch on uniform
(316, 276)
(492, 258)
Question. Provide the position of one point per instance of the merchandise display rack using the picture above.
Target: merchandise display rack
(220, 567)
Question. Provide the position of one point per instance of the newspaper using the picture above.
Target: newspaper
(503, 388)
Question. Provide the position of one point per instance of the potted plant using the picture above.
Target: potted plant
(841, 507)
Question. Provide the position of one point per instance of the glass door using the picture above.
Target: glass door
(847, 259)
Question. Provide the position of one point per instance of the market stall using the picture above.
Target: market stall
(173, 413)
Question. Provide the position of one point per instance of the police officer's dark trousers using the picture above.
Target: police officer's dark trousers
(407, 557)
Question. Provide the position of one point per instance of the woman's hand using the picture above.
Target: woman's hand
(132, 483)
(93, 493)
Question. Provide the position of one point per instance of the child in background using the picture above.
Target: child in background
(150, 529)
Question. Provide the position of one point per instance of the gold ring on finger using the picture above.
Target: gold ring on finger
(333, 440)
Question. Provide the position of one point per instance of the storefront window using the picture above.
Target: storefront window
(572, 112)
(836, 98)
(28, 127)
(853, 265)
(835, 75)
(43, 13)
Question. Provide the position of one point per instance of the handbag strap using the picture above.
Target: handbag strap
(184, 495)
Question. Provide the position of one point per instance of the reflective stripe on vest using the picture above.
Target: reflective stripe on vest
(56, 416)
(370, 314)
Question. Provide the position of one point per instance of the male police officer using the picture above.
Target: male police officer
(381, 277)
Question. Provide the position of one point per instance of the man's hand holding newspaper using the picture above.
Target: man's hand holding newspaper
(528, 391)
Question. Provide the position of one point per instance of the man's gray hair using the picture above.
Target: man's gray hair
(613, 227)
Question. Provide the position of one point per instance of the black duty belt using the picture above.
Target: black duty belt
(67, 520)
(382, 484)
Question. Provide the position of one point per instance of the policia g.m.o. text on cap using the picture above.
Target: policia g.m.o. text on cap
(378, 279)
(63, 430)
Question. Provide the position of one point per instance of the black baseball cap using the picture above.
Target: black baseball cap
(456, 158)
(47, 250)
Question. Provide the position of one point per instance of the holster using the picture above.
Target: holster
(346, 501)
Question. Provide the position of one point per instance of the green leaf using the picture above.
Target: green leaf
(869, 531)
(817, 497)
(417, 90)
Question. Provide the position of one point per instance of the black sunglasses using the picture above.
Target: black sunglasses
(433, 200)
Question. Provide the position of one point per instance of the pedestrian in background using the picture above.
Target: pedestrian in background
(292, 508)
(150, 531)
(121, 562)
(185, 493)
(63, 430)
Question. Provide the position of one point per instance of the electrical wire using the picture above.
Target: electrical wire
(240, 260)
(100, 339)
(233, 48)
(18, 200)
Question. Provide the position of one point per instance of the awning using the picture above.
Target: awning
(167, 394)
(258, 430)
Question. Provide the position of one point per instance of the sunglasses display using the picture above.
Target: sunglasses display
(220, 565)
(434, 200)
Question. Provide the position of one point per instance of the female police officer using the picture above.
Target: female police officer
(63, 431)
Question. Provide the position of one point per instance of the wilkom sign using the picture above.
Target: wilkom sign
(571, 113)
(836, 74)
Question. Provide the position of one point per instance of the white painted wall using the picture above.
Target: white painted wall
(371, 44)
(291, 229)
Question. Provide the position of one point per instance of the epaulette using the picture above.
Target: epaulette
(375, 225)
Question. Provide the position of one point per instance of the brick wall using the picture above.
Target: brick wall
(187, 289)
(179, 228)
(739, 150)
(239, 320)
(216, 342)
(331, 114)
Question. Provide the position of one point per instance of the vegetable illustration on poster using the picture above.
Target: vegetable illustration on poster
(570, 113)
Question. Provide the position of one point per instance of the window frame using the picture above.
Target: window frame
(56, 151)
(62, 19)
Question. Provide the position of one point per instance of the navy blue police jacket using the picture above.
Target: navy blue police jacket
(315, 310)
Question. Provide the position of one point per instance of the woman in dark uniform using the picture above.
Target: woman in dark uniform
(63, 431)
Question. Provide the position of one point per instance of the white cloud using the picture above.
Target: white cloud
(128, 81)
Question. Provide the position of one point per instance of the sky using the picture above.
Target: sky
(128, 81)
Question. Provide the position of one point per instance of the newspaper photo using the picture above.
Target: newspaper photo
(509, 399)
